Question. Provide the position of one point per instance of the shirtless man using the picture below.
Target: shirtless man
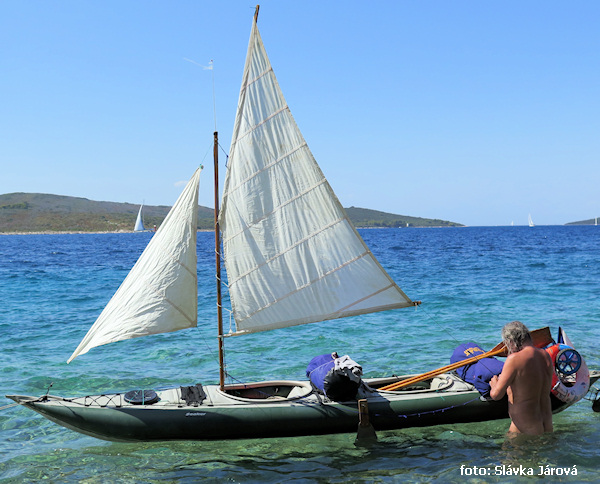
(526, 378)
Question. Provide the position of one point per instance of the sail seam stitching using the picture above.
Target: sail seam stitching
(245, 116)
(192, 273)
(367, 297)
(261, 75)
(191, 320)
(326, 274)
(267, 167)
(247, 133)
(291, 247)
(264, 121)
(286, 324)
(276, 209)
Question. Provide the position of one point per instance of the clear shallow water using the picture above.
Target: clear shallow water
(471, 281)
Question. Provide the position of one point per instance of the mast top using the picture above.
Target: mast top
(256, 13)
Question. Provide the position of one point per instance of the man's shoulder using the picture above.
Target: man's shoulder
(529, 353)
(524, 353)
(544, 354)
(540, 352)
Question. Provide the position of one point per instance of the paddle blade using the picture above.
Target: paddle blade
(541, 337)
(366, 432)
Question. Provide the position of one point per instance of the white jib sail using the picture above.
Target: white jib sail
(160, 293)
(291, 253)
(139, 223)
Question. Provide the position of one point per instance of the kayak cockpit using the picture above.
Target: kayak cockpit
(268, 390)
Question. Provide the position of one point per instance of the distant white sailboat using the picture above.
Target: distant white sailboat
(139, 223)
(596, 223)
(531, 224)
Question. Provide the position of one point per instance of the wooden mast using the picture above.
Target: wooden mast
(218, 255)
(218, 265)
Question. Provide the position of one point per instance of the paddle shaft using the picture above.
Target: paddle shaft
(498, 349)
(539, 337)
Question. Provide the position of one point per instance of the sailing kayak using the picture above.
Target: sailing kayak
(268, 409)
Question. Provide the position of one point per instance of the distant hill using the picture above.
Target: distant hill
(363, 217)
(37, 212)
(591, 221)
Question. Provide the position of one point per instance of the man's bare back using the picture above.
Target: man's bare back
(526, 378)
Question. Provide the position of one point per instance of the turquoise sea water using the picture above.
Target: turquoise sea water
(471, 281)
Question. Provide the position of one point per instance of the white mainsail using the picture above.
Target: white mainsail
(139, 223)
(531, 224)
(291, 253)
(160, 293)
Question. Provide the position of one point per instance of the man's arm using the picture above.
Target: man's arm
(545, 402)
(499, 384)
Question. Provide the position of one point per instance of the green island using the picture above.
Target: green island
(590, 221)
(39, 213)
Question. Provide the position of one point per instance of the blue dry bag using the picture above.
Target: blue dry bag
(334, 383)
(479, 373)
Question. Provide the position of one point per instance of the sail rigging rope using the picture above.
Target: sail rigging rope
(225, 153)
(207, 151)
(212, 70)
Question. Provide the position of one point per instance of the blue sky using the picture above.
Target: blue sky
(475, 112)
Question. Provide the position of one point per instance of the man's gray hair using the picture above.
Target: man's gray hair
(515, 335)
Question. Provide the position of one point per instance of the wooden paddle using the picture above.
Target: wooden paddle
(539, 337)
